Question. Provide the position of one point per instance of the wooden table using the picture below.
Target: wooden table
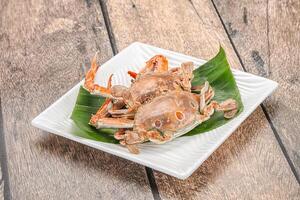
(43, 45)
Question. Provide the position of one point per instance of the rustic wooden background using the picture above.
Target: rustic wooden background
(43, 44)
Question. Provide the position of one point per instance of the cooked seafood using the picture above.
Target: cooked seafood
(169, 116)
(153, 80)
(158, 106)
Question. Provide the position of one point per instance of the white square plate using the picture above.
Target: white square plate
(180, 157)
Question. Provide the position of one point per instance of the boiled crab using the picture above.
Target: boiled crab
(153, 80)
(171, 115)
(158, 106)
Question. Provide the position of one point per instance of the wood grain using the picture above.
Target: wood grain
(42, 47)
(2, 156)
(250, 165)
(4, 180)
(1, 185)
(1, 192)
(269, 45)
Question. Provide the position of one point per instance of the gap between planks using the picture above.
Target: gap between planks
(3, 160)
(275, 132)
(149, 171)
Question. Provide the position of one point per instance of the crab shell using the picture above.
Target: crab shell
(153, 84)
(173, 114)
(149, 86)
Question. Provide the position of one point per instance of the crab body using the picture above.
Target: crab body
(169, 116)
(166, 115)
(147, 87)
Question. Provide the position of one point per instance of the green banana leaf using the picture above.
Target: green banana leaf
(216, 71)
(86, 105)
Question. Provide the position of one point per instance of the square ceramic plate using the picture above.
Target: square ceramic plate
(180, 157)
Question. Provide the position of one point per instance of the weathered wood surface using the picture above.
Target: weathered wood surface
(1, 185)
(1, 161)
(250, 165)
(1, 191)
(42, 47)
(266, 33)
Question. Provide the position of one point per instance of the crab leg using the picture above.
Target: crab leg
(103, 110)
(89, 84)
(118, 112)
(121, 114)
(107, 122)
(158, 137)
(101, 113)
(118, 104)
(120, 135)
(132, 74)
(210, 109)
(227, 105)
(202, 96)
(134, 137)
(109, 83)
(205, 96)
(132, 148)
(230, 108)
(209, 94)
(126, 116)
(134, 107)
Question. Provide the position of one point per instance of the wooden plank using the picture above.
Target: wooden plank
(2, 156)
(1, 191)
(42, 47)
(250, 165)
(266, 33)
(4, 181)
(1, 185)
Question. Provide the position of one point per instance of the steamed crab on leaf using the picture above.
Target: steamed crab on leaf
(153, 80)
(171, 115)
(160, 104)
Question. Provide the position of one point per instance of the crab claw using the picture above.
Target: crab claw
(157, 63)
(89, 84)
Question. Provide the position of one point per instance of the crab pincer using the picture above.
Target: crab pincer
(90, 84)
(156, 64)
